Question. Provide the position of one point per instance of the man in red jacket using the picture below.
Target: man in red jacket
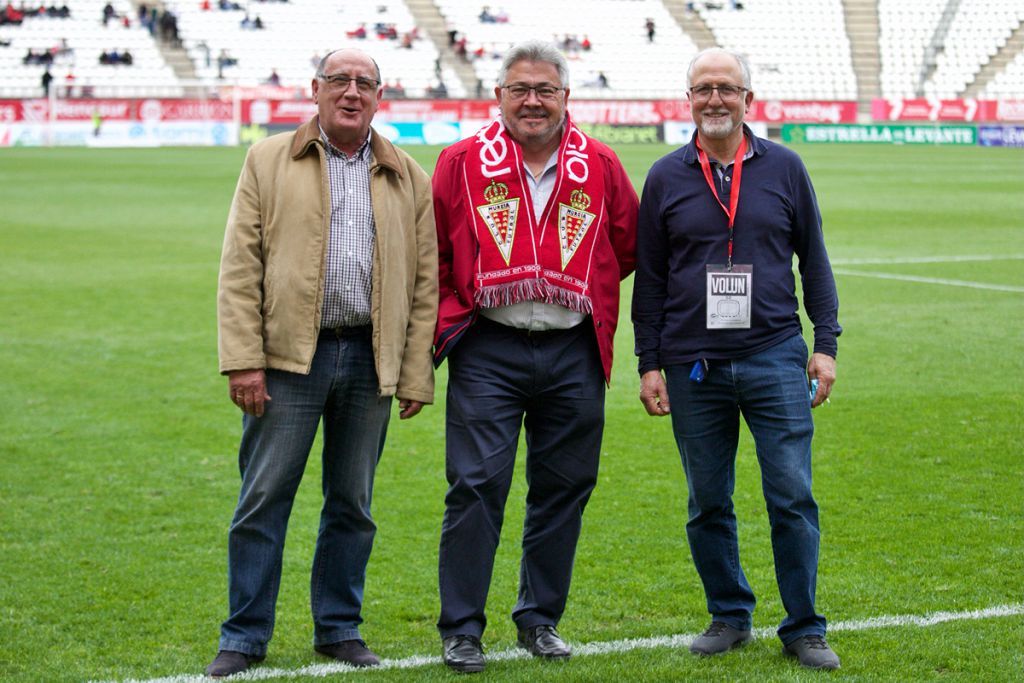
(536, 226)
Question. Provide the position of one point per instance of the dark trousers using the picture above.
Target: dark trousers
(500, 379)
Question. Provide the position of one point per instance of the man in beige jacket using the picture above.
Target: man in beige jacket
(326, 309)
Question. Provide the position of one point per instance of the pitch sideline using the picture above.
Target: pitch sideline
(599, 648)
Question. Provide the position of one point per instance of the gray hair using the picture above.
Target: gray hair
(740, 59)
(322, 66)
(535, 51)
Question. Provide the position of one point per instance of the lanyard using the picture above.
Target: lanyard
(734, 190)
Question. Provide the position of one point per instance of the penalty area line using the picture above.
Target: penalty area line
(678, 641)
(927, 280)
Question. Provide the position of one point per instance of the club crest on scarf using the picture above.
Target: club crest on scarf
(542, 254)
(500, 214)
(573, 222)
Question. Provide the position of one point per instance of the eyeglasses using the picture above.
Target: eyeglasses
(519, 91)
(728, 93)
(340, 81)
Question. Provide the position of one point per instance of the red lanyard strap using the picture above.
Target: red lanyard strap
(734, 190)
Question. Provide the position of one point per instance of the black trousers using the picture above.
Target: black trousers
(499, 380)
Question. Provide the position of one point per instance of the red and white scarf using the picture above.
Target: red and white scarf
(520, 258)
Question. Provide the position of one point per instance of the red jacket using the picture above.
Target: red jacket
(614, 254)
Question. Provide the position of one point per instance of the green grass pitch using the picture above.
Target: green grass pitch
(118, 471)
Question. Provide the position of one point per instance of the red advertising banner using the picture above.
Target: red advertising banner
(284, 112)
(966, 110)
(38, 111)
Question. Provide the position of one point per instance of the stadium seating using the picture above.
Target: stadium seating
(1009, 83)
(978, 30)
(633, 66)
(797, 50)
(86, 37)
(297, 33)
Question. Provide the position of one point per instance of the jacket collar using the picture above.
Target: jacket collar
(384, 154)
(757, 146)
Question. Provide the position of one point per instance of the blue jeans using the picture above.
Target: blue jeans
(770, 390)
(342, 388)
(499, 380)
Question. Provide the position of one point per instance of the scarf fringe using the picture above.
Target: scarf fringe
(493, 296)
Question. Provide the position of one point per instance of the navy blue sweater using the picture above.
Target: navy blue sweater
(682, 229)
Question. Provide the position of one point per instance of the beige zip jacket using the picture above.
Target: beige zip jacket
(270, 290)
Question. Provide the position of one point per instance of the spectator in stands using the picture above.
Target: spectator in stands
(743, 354)
(224, 60)
(46, 80)
(394, 90)
(585, 43)
(649, 27)
(485, 15)
(11, 16)
(202, 45)
(257, 23)
(205, 6)
(602, 80)
(358, 33)
(497, 295)
(126, 58)
(274, 78)
(373, 305)
(126, 22)
(439, 91)
(501, 17)
(108, 13)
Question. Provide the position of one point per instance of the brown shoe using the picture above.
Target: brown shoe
(352, 652)
(228, 663)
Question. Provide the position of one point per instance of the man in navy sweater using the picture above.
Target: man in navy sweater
(718, 335)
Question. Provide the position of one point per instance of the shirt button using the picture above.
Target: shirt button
(348, 288)
(728, 179)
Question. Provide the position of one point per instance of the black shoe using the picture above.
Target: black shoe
(463, 653)
(228, 662)
(352, 652)
(543, 641)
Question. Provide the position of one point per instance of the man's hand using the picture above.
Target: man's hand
(248, 390)
(408, 408)
(823, 368)
(653, 393)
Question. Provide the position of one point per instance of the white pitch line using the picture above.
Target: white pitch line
(901, 260)
(679, 641)
(927, 280)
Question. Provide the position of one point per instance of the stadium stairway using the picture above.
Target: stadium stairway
(862, 28)
(175, 55)
(1013, 47)
(692, 24)
(430, 20)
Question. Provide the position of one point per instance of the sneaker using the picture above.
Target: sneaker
(813, 652)
(719, 637)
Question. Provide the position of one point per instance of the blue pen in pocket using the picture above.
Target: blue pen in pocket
(699, 371)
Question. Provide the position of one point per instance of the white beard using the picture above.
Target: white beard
(717, 128)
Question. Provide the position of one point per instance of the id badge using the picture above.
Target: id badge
(729, 297)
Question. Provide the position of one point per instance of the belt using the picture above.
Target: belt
(347, 332)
